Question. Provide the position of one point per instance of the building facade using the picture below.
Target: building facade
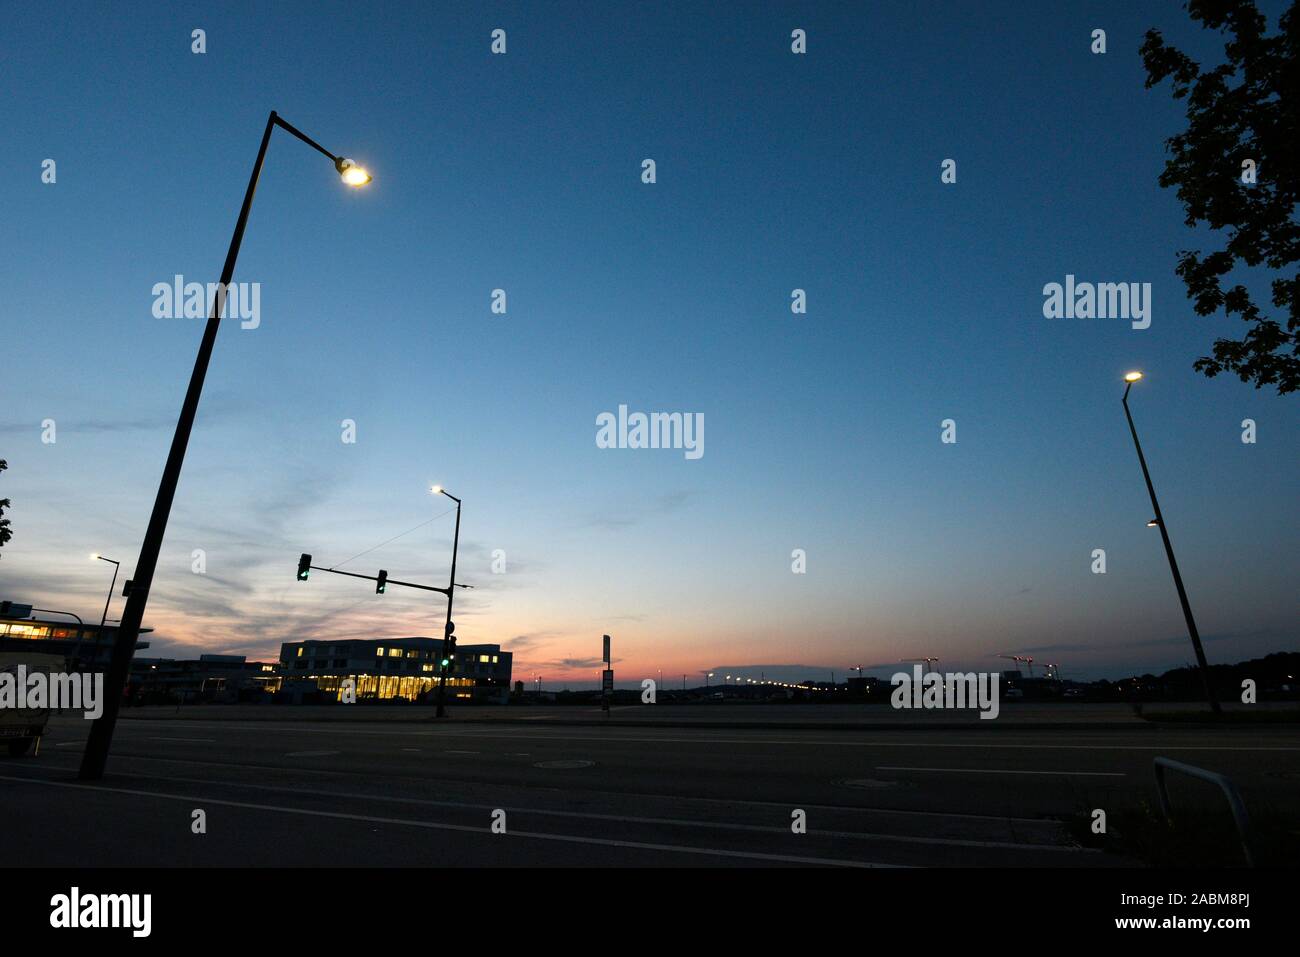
(209, 678)
(398, 668)
(84, 647)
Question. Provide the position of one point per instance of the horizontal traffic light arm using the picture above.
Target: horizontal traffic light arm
(375, 578)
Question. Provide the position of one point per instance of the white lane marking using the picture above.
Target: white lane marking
(1089, 774)
(310, 754)
(461, 752)
(547, 735)
(672, 822)
(681, 799)
(432, 825)
(880, 744)
(898, 744)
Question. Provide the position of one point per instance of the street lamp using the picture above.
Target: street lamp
(352, 174)
(448, 641)
(1159, 522)
(128, 631)
(116, 566)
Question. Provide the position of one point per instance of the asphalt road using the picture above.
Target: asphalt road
(343, 793)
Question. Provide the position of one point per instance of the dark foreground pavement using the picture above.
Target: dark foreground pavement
(353, 793)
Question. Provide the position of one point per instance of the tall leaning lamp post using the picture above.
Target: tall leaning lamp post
(449, 630)
(1159, 522)
(101, 732)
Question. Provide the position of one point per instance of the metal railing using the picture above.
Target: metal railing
(1235, 804)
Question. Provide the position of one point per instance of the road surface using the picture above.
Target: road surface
(354, 793)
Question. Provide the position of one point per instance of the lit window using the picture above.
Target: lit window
(484, 659)
(379, 652)
(394, 652)
(494, 659)
(300, 651)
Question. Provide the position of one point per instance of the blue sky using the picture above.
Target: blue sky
(523, 172)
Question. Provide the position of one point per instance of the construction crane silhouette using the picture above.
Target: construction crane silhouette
(1017, 659)
(1027, 659)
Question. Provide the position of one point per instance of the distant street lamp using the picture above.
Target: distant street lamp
(449, 638)
(128, 631)
(1159, 522)
(116, 565)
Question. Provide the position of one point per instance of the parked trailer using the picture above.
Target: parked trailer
(22, 728)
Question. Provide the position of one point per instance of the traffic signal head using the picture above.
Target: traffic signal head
(451, 629)
(304, 566)
(381, 583)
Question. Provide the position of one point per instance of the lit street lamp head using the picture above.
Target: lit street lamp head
(1132, 376)
(439, 490)
(352, 174)
(1154, 523)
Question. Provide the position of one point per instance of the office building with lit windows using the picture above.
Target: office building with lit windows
(398, 668)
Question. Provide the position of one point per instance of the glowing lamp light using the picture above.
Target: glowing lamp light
(352, 174)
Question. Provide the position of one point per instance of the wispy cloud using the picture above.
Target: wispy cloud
(635, 513)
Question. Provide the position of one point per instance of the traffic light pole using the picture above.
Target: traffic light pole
(448, 644)
(375, 578)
